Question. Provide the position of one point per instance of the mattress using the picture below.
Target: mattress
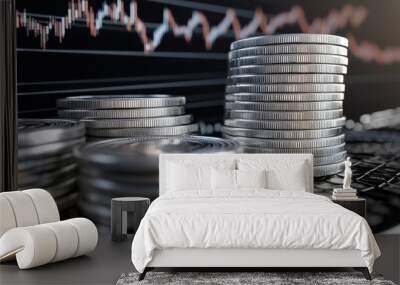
(251, 219)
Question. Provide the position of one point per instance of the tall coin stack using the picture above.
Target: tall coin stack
(46, 160)
(129, 167)
(116, 116)
(284, 94)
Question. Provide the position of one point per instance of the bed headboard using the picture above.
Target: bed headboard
(281, 162)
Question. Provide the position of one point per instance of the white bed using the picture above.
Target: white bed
(249, 227)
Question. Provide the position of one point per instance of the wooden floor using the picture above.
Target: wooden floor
(110, 260)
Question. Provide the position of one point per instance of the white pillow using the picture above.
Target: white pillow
(251, 178)
(282, 174)
(223, 180)
(277, 180)
(184, 177)
(187, 175)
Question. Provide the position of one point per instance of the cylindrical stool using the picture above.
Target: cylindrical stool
(126, 214)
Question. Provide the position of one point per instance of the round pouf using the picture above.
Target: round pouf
(126, 214)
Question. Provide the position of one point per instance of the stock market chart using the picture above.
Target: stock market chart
(180, 47)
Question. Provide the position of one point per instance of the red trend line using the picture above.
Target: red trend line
(371, 52)
(348, 15)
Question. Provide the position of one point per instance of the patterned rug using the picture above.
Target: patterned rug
(243, 278)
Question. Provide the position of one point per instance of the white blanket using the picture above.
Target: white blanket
(251, 219)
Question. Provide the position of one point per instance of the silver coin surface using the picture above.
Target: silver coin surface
(289, 143)
(67, 202)
(331, 159)
(132, 132)
(33, 132)
(26, 180)
(43, 168)
(284, 97)
(288, 58)
(110, 189)
(63, 187)
(121, 113)
(48, 150)
(284, 106)
(234, 133)
(290, 48)
(120, 101)
(289, 39)
(306, 115)
(286, 125)
(285, 88)
(320, 151)
(329, 169)
(34, 164)
(285, 78)
(288, 68)
(139, 123)
(94, 172)
(140, 154)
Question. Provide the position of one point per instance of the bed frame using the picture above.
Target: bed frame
(236, 258)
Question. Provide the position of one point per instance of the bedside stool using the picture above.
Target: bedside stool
(126, 214)
(358, 205)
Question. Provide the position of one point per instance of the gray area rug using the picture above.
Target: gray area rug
(268, 278)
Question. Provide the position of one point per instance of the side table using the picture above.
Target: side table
(358, 205)
(126, 214)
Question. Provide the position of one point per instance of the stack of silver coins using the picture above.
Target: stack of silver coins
(117, 116)
(284, 94)
(127, 167)
(46, 159)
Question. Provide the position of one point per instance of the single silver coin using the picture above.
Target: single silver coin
(32, 132)
(285, 78)
(63, 187)
(289, 143)
(290, 39)
(120, 101)
(67, 202)
(290, 48)
(121, 113)
(284, 106)
(288, 58)
(132, 132)
(286, 125)
(34, 164)
(320, 151)
(140, 154)
(93, 172)
(284, 97)
(99, 198)
(111, 189)
(306, 115)
(329, 169)
(46, 167)
(48, 150)
(100, 215)
(95, 198)
(44, 179)
(234, 133)
(139, 123)
(285, 88)
(288, 68)
(331, 159)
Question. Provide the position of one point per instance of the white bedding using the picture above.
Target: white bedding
(251, 219)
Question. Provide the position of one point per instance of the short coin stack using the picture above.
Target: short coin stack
(116, 116)
(284, 94)
(46, 160)
(129, 167)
